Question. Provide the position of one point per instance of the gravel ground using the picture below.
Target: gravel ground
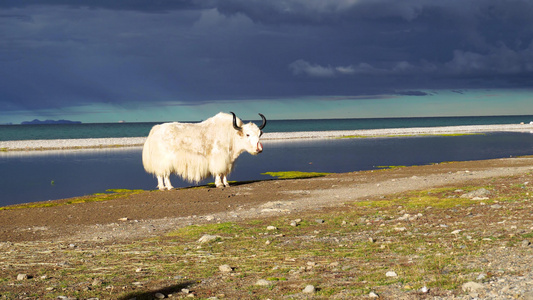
(138, 141)
(38, 241)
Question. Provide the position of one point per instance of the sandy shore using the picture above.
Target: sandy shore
(66, 144)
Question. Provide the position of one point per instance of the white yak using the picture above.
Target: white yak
(196, 151)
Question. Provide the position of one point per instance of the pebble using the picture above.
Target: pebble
(310, 289)
(479, 194)
(22, 276)
(159, 296)
(96, 282)
(296, 222)
(373, 295)
(225, 269)
(208, 238)
(271, 228)
(320, 221)
(472, 286)
(263, 282)
(391, 274)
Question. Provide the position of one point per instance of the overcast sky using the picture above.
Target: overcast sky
(153, 60)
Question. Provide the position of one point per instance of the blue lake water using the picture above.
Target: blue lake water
(104, 130)
(41, 176)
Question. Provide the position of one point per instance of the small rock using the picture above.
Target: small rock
(404, 217)
(391, 274)
(123, 219)
(271, 227)
(96, 282)
(472, 286)
(159, 296)
(481, 276)
(210, 218)
(22, 276)
(296, 222)
(479, 194)
(320, 221)
(525, 243)
(373, 295)
(424, 290)
(308, 289)
(225, 269)
(208, 238)
(262, 282)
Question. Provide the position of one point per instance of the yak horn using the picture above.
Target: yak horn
(235, 122)
(264, 122)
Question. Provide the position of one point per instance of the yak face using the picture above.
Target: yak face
(248, 135)
(251, 134)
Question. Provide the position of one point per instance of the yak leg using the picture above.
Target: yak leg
(221, 181)
(167, 183)
(218, 181)
(160, 184)
(225, 180)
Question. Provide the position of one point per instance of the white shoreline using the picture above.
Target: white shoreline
(99, 143)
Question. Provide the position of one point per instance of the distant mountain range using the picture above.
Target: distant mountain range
(39, 122)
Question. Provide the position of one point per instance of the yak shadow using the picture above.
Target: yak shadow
(211, 185)
(142, 295)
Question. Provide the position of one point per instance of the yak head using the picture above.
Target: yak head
(249, 134)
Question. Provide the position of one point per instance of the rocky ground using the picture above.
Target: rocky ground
(460, 230)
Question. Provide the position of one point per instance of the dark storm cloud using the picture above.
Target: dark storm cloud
(139, 5)
(59, 53)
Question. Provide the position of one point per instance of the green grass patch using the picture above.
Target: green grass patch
(295, 174)
(390, 167)
(108, 195)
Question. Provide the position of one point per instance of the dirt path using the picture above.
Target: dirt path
(153, 213)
